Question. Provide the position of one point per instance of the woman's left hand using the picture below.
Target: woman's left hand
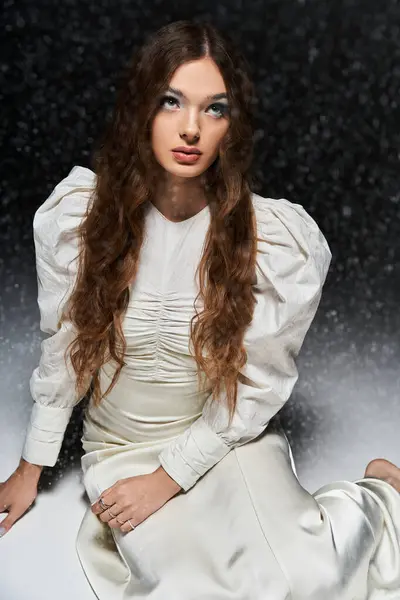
(135, 498)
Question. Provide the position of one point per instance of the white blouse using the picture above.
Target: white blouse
(293, 259)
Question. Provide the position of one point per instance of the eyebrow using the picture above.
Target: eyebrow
(182, 95)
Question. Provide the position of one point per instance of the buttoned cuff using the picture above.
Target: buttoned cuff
(45, 434)
(192, 454)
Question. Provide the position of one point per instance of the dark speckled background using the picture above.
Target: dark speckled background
(328, 131)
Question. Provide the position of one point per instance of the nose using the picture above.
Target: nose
(190, 130)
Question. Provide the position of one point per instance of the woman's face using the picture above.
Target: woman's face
(190, 116)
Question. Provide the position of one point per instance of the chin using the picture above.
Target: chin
(184, 171)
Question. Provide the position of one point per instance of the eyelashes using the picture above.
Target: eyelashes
(222, 109)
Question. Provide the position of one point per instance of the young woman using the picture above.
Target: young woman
(180, 298)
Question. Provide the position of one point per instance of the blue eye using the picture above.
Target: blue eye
(164, 99)
(222, 109)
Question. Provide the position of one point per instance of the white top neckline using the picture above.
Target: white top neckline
(160, 214)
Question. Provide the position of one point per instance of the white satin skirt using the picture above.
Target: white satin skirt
(247, 530)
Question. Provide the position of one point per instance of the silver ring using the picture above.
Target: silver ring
(133, 527)
(113, 516)
(103, 504)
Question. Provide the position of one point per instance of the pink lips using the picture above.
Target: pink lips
(187, 149)
(185, 158)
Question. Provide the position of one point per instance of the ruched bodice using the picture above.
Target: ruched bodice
(156, 396)
(156, 323)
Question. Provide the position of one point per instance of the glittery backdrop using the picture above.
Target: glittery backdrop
(327, 75)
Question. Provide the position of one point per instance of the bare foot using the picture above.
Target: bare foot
(384, 469)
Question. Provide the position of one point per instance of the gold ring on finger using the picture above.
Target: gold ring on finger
(113, 516)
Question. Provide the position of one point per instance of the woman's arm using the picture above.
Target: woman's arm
(52, 383)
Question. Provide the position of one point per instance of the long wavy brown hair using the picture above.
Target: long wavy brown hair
(111, 234)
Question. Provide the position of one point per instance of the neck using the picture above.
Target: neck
(179, 198)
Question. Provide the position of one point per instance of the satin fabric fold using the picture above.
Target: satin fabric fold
(246, 531)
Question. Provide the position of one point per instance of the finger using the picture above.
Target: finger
(4, 507)
(3, 503)
(105, 494)
(109, 514)
(126, 527)
(118, 520)
(10, 520)
(122, 519)
(105, 497)
(97, 508)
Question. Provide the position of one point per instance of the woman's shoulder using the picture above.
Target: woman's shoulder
(288, 235)
(64, 208)
(56, 242)
(282, 213)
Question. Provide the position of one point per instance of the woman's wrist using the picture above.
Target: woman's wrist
(175, 487)
(26, 467)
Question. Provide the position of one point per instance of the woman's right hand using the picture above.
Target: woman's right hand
(17, 493)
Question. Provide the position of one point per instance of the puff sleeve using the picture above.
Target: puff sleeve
(293, 259)
(52, 383)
